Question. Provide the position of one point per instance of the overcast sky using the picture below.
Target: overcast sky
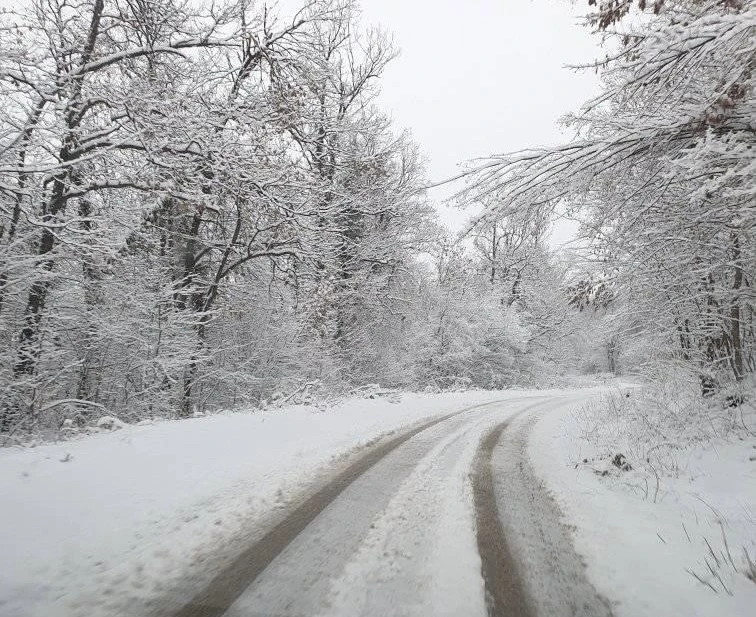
(477, 77)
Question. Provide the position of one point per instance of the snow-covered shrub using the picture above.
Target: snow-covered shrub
(657, 427)
(109, 423)
(691, 458)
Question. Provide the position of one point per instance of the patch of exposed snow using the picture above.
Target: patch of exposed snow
(670, 541)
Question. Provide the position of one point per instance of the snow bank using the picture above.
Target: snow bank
(105, 524)
(648, 543)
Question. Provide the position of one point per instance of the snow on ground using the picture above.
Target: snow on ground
(646, 547)
(420, 556)
(97, 524)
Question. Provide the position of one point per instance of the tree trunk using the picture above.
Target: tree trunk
(88, 387)
(28, 347)
(736, 341)
(28, 344)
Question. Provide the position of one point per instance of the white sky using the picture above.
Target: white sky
(477, 77)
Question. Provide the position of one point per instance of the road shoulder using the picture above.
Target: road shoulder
(638, 553)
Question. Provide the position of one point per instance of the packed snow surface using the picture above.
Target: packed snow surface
(95, 524)
(115, 523)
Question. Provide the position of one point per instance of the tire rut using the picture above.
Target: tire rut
(504, 588)
(529, 564)
(229, 584)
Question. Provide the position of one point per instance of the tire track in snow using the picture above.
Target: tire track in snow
(505, 596)
(420, 556)
(529, 565)
(227, 586)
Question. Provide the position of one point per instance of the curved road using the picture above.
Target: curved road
(447, 518)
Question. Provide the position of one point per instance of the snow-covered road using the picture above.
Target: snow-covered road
(403, 530)
(138, 521)
(413, 504)
(399, 504)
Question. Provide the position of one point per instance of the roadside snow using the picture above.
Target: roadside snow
(106, 524)
(645, 547)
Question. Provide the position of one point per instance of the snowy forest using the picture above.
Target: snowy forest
(203, 206)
